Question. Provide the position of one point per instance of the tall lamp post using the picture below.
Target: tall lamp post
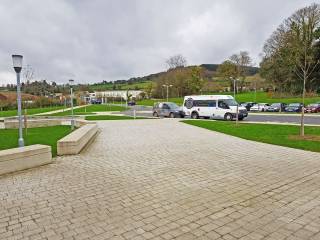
(17, 65)
(234, 96)
(71, 82)
(167, 86)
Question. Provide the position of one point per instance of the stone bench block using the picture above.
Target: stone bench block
(77, 140)
(17, 159)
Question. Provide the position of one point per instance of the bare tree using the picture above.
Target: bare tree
(176, 61)
(242, 61)
(28, 73)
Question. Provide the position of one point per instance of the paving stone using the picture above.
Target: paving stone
(161, 179)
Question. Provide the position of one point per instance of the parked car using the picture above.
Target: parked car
(96, 101)
(260, 107)
(248, 105)
(131, 103)
(312, 108)
(167, 109)
(277, 107)
(213, 106)
(294, 107)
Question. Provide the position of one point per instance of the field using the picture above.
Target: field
(282, 135)
(261, 97)
(43, 135)
(88, 110)
(30, 111)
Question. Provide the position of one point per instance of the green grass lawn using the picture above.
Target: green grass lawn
(89, 110)
(111, 117)
(282, 135)
(42, 135)
(261, 97)
(30, 111)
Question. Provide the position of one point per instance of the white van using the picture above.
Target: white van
(213, 106)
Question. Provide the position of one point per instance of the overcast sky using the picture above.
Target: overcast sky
(95, 40)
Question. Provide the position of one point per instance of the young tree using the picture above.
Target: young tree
(303, 37)
(149, 90)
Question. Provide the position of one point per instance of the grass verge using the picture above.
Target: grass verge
(110, 117)
(282, 135)
(31, 111)
(42, 135)
(91, 109)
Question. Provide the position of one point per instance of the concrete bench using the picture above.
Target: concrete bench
(77, 140)
(17, 159)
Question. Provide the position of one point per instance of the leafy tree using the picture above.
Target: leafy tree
(290, 49)
(291, 54)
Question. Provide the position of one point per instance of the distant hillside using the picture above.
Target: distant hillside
(136, 83)
(213, 67)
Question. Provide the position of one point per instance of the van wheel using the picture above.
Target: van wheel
(194, 115)
(228, 117)
(171, 115)
(155, 114)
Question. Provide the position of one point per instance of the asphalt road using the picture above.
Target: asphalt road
(253, 117)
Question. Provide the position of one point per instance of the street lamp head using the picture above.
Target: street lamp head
(71, 82)
(17, 62)
(170, 86)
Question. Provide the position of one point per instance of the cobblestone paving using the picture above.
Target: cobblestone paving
(161, 179)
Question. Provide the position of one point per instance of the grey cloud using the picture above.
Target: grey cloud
(95, 40)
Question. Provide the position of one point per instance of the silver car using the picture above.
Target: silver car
(167, 109)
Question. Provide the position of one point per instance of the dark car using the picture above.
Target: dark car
(167, 109)
(277, 107)
(312, 108)
(131, 103)
(248, 105)
(294, 107)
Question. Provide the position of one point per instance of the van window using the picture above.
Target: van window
(222, 104)
(204, 103)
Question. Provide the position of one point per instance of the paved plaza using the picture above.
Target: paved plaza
(161, 179)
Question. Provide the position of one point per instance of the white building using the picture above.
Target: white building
(113, 93)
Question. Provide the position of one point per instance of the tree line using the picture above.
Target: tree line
(291, 55)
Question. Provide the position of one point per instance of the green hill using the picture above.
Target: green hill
(140, 83)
